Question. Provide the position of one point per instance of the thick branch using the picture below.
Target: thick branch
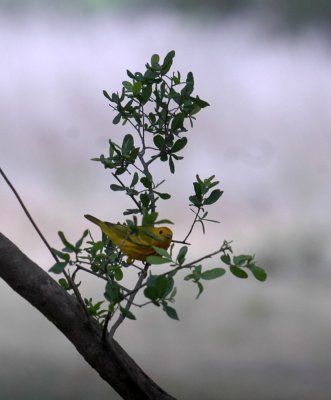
(112, 363)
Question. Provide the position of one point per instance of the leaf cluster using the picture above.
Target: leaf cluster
(157, 105)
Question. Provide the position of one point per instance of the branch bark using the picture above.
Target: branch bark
(108, 358)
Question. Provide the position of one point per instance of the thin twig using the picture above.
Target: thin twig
(133, 293)
(68, 277)
(192, 226)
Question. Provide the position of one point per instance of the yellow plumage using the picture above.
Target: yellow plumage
(136, 245)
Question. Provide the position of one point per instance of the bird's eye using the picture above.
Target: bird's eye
(160, 232)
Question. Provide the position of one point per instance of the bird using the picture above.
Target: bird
(136, 243)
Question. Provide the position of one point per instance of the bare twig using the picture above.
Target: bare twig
(68, 277)
(192, 226)
(131, 295)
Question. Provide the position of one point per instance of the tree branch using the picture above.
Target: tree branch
(108, 358)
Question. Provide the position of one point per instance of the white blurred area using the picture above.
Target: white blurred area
(266, 136)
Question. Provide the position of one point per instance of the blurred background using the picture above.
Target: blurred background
(265, 69)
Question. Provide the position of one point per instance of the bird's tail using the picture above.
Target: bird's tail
(93, 219)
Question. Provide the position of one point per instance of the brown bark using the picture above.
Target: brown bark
(112, 363)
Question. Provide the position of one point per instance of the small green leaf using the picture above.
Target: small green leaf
(179, 145)
(226, 259)
(200, 289)
(177, 122)
(134, 180)
(127, 313)
(155, 59)
(163, 196)
(238, 272)
(158, 141)
(258, 272)
(117, 119)
(239, 260)
(58, 267)
(157, 260)
(117, 188)
(136, 88)
(113, 293)
(213, 197)
(162, 252)
(63, 282)
(171, 165)
(127, 144)
(170, 311)
(199, 102)
(145, 199)
(106, 95)
(118, 274)
(167, 63)
(146, 182)
(213, 273)
(181, 255)
(127, 85)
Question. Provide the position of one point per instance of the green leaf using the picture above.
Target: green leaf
(181, 255)
(179, 145)
(146, 182)
(170, 311)
(158, 141)
(163, 196)
(117, 188)
(239, 260)
(118, 274)
(258, 272)
(136, 88)
(155, 59)
(127, 144)
(213, 197)
(151, 293)
(195, 201)
(128, 86)
(149, 219)
(146, 93)
(200, 289)
(238, 272)
(134, 179)
(157, 260)
(161, 285)
(63, 282)
(171, 165)
(177, 122)
(226, 259)
(113, 293)
(199, 102)
(127, 313)
(117, 119)
(213, 273)
(167, 63)
(162, 252)
(106, 95)
(145, 200)
(58, 267)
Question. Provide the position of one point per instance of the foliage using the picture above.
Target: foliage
(159, 106)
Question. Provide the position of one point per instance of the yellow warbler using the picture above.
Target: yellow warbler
(136, 245)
